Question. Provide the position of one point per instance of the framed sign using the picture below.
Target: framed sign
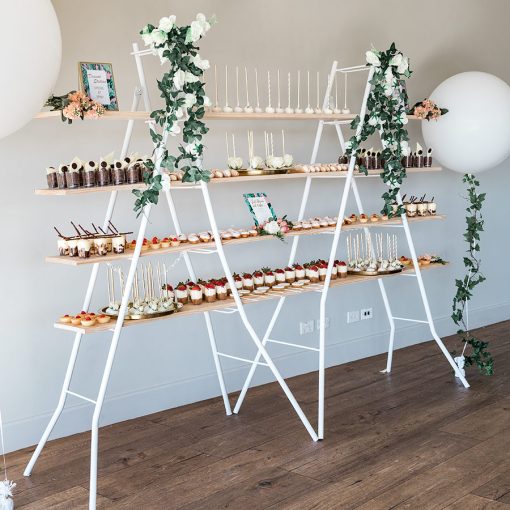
(259, 207)
(96, 80)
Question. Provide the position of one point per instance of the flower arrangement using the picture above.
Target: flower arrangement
(427, 110)
(185, 102)
(386, 113)
(275, 227)
(75, 105)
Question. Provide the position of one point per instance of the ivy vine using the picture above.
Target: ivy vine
(479, 355)
(185, 101)
(386, 113)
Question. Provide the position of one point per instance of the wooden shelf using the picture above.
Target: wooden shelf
(224, 180)
(190, 309)
(127, 115)
(75, 261)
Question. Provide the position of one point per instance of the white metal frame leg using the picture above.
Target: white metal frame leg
(244, 318)
(387, 307)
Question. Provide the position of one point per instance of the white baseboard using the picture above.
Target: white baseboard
(76, 418)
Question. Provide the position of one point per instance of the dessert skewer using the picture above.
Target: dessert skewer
(318, 108)
(279, 108)
(269, 108)
(258, 109)
(237, 108)
(216, 107)
(288, 109)
(298, 109)
(248, 108)
(226, 108)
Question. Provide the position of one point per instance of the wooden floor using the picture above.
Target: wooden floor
(413, 440)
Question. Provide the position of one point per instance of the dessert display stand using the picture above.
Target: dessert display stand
(237, 305)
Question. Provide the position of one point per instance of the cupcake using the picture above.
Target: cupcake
(312, 273)
(145, 245)
(204, 237)
(193, 239)
(84, 246)
(363, 218)
(300, 272)
(226, 236)
(280, 275)
(221, 290)
(235, 234)
(290, 274)
(103, 318)
(342, 268)
(76, 320)
(374, 218)
(63, 247)
(258, 279)
(210, 292)
(196, 294)
(248, 283)
(181, 293)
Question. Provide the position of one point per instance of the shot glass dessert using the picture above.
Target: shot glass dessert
(411, 209)
(84, 246)
(63, 247)
(72, 244)
(73, 176)
(51, 177)
(103, 174)
(89, 175)
(119, 244)
(62, 176)
(431, 207)
(119, 172)
(423, 208)
(101, 246)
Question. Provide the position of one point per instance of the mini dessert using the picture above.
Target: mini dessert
(269, 277)
(109, 244)
(424, 260)
(181, 293)
(411, 209)
(132, 244)
(384, 217)
(174, 241)
(297, 284)
(119, 172)
(334, 272)
(248, 283)
(226, 236)
(238, 281)
(88, 321)
(73, 176)
(103, 174)
(245, 233)
(253, 232)
(432, 207)
(210, 292)
(103, 318)
(331, 222)
(51, 177)
(300, 272)
(280, 275)
(196, 294)
(134, 172)
(262, 290)
(100, 246)
(193, 239)
(323, 269)
(312, 273)
(119, 244)
(258, 279)
(145, 245)
(316, 224)
(221, 290)
(290, 274)
(374, 218)
(342, 268)
(84, 248)
(204, 237)
(168, 292)
(297, 226)
(63, 247)
(63, 170)
(235, 234)
(306, 225)
(72, 244)
(353, 218)
(155, 244)
(165, 242)
(65, 319)
(363, 218)
(89, 174)
(405, 261)
(422, 208)
(182, 238)
(76, 320)
(323, 223)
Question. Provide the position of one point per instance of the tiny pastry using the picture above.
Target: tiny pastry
(88, 321)
(181, 293)
(218, 174)
(405, 261)
(238, 281)
(353, 218)
(374, 218)
(132, 244)
(210, 292)
(316, 224)
(384, 217)
(235, 234)
(307, 225)
(165, 242)
(226, 235)
(234, 173)
(341, 268)
(279, 275)
(103, 319)
(174, 241)
(258, 279)
(245, 233)
(76, 321)
(363, 218)
(290, 274)
(323, 223)
(155, 244)
(248, 282)
(193, 239)
(204, 237)
(253, 232)
(300, 272)
(221, 290)
(323, 269)
(227, 173)
(196, 294)
(65, 319)
(312, 273)
(297, 226)
(269, 277)
(145, 245)
(182, 238)
(331, 222)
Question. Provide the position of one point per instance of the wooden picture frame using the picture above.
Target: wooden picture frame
(97, 82)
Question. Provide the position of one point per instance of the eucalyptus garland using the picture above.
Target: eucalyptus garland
(386, 113)
(479, 355)
(185, 101)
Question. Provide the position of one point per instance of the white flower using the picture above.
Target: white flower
(192, 148)
(146, 36)
(191, 78)
(179, 79)
(158, 36)
(403, 66)
(166, 24)
(403, 118)
(175, 129)
(348, 146)
(272, 227)
(201, 64)
(374, 121)
(404, 148)
(396, 60)
(179, 113)
(203, 21)
(189, 100)
(372, 58)
(207, 101)
(195, 31)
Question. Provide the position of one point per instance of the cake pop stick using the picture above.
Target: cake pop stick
(345, 110)
(216, 107)
(272, 149)
(234, 144)
(247, 108)
(318, 108)
(226, 108)
(258, 109)
(298, 109)
(308, 109)
(237, 108)
(279, 109)
(266, 144)
(288, 109)
(336, 110)
(269, 108)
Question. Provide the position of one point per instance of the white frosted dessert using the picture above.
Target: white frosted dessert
(290, 274)
(63, 247)
(84, 246)
(312, 273)
(181, 294)
(258, 279)
(101, 246)
(119, 244)
(196, 294)
(210, 292)
(221, 291)
(300, 272)
(72, 244)
(280, 275)
(269, 278)
(248, 283)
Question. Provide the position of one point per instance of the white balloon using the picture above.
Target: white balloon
(474, 135)
(30, 53)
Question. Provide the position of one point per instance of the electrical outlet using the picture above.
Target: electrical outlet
(306, 327)
(352, 316)
(318, 323)
(366, 313)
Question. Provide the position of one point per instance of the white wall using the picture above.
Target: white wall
(169, 363)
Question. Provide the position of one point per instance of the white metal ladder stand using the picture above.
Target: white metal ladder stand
(98, 403)
(350, 183)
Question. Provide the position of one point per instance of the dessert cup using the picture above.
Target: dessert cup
(423, 208)
(431, 207)
(269, 279)
(103, 319)
(196, 295)
(221, 292)
(51, 178)
(119, 244)
(73, 247)
(279, 275)
(65, 319)
(103, 174)
(290, 275)
(101, 246)
(62, 176)
(181, 294)
(258, 279)
(84, 246)
(411, 210)
(119, 173)
(210, 293)
(63, 247)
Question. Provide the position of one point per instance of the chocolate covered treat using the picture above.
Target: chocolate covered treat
(103, 174)
(133, 173)
(89, 176)
(427, 160)
(62, 176)
(51, 177)
(119, 172)
(73, 176)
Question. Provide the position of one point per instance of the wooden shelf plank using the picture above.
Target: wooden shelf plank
(143, 115)
(75, 261)
(224, 180)
(190, 309)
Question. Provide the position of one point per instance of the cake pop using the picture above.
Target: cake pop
(237, 108)
(226, 108)
(269, 108)
(308, 109)
(288, 109)
(345, 110)
(258, 109)
(279, 108)
(216, 107)
(318, 108)
(298, 109)
(247, 108)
